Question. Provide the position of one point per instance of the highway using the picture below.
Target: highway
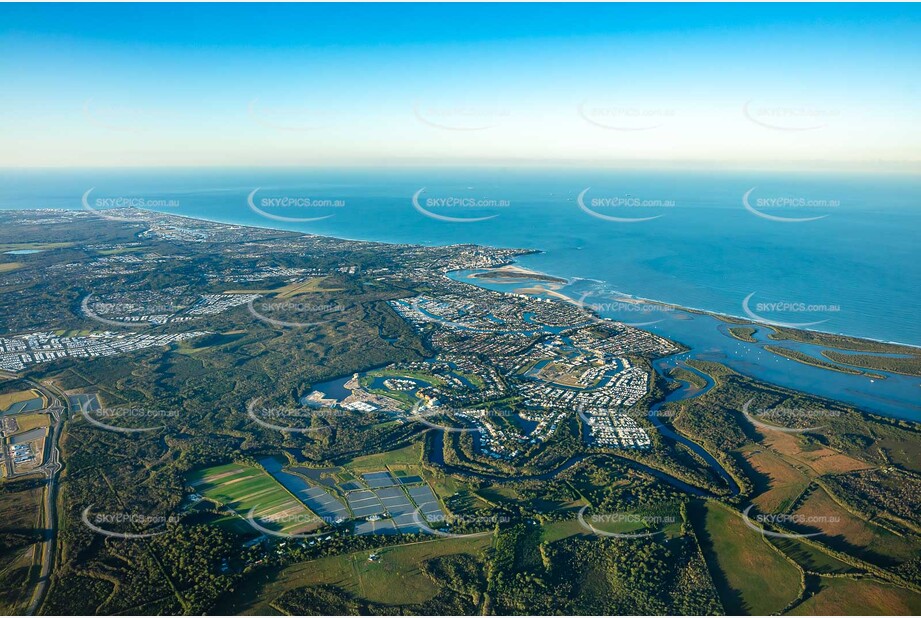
(51, 467)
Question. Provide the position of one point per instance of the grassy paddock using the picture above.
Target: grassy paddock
(841, 596)
(395, 579)
(751, 576)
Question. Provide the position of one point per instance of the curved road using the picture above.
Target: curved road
(52, 466)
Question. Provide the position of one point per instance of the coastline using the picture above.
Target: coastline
(627, 297)
(725, 317)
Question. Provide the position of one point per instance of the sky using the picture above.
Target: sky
(712, 85)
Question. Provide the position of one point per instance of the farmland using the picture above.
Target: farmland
(243, 489)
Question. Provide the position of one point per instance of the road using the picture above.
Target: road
(51, 467)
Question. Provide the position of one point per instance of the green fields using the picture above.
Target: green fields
(395, 579)
(864, 597)
(243, 488)
(751, 576)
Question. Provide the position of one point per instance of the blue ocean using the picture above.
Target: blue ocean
(858, 266)
(830, 252)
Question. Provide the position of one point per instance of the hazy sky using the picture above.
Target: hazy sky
(184, 85)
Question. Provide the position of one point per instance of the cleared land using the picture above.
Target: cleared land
(28, 422)
(20, 516)
(751, 576)
(395, 579)
(778, 484)
(866, 597)
(244, 488)
(845, 531)
(7, 400)
(819, 459)
(292, 289)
